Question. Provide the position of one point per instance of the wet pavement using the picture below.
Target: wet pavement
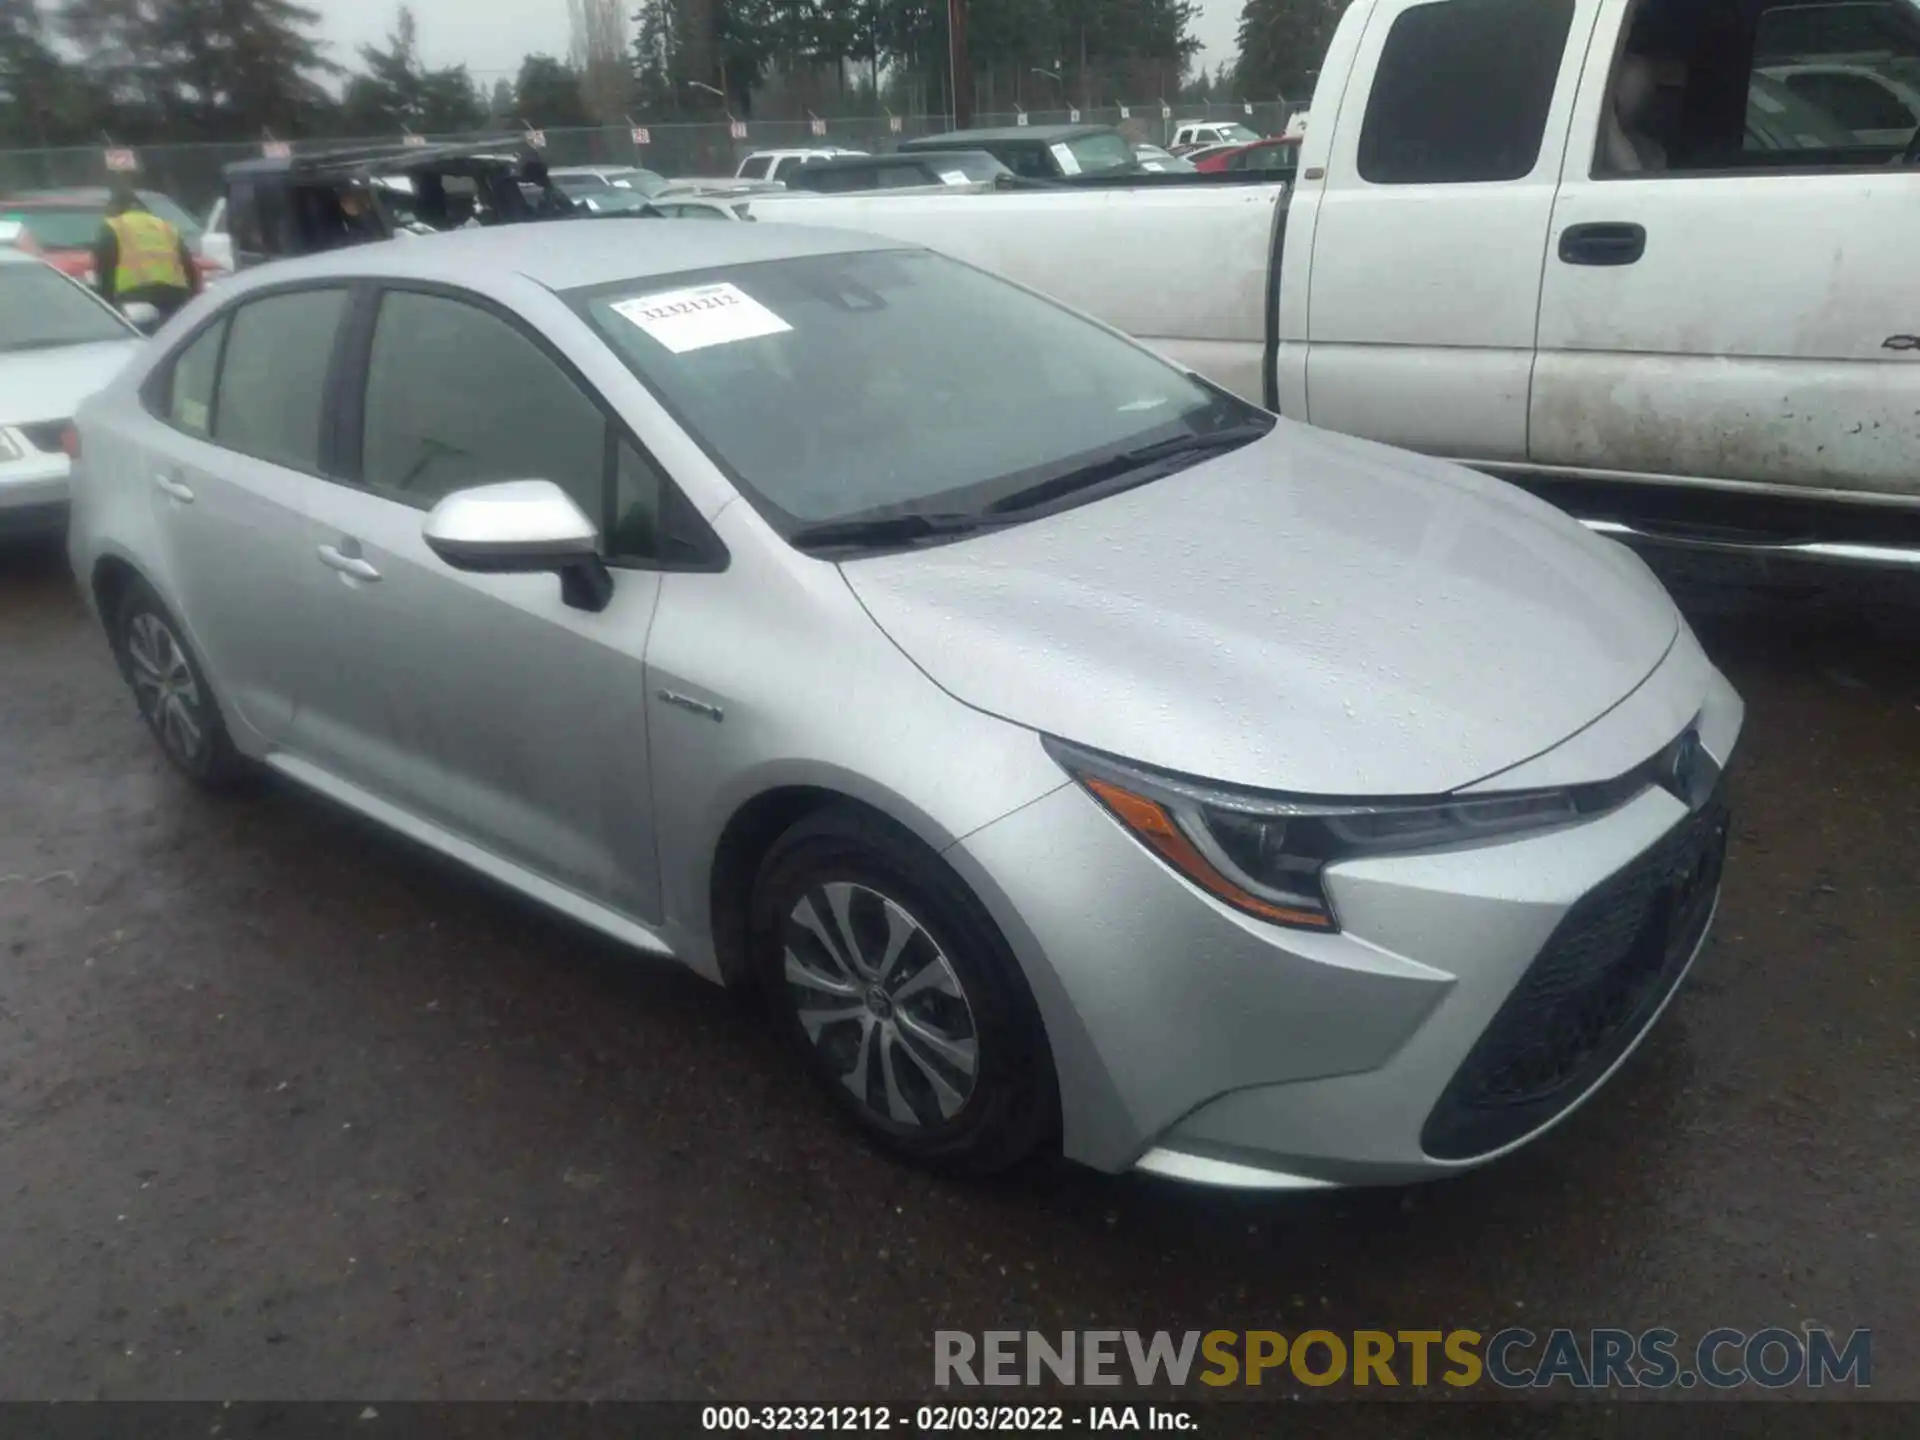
(290, 1109)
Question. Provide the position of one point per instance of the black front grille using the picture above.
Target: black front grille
(1605, 970)
(44, 434)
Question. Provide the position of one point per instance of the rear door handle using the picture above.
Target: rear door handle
(167, 485)
(353, 565)
(1603, 243)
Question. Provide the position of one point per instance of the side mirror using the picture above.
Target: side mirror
(143, 317)
(522, 527)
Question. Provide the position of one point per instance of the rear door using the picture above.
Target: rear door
(482, 704)
(230, 475)
(1432, 223)
(1747, 312)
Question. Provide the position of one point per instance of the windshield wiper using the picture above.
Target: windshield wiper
(1146, 462)
(888, 529)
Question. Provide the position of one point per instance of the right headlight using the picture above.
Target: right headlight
(1265, 854)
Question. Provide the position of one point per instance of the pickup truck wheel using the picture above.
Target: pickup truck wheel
(901, 996)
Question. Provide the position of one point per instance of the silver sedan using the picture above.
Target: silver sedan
(1071, 753)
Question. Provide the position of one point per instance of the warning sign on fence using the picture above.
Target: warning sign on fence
(642, 136)
(122, 161)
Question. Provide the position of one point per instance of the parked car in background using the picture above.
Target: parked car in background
(1156, 161)
(59, 342)
(848, 173)
(695, 207)
(1069, 752)
(580, 181)
(721, 186)
(1195, 155)
(1278, 157)
(1192, 134)
(66, 223)
(1039, 152)
(776, 164)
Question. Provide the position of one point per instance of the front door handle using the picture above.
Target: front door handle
(167, 485)
(1604, 243)
(335, 559)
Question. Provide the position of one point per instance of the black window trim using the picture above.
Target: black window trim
(156, 391)
(354, 359)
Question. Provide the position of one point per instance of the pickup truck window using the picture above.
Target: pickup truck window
(1462, 91)
(1789, 85)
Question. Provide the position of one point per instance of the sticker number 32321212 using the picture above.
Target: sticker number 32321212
(700, 316)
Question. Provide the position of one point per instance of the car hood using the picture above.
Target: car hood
(50, 384)
(1310, 613)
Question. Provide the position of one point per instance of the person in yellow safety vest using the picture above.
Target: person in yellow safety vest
(138, 256)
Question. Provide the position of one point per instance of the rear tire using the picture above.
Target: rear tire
(171, 690)
(903, 999)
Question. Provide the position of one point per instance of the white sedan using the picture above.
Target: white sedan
(59, 343)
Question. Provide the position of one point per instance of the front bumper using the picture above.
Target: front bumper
(1195, 1041)
(34, 494)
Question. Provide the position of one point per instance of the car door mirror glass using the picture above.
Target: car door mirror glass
(521, 527)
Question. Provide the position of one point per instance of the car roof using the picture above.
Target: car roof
(896, 160)
(564, 254)
(975, 139)
(352, 162)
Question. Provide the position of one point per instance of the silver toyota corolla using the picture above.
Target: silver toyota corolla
(1071, 752)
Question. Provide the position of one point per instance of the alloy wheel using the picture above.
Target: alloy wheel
(164, 687)
(879, 1000)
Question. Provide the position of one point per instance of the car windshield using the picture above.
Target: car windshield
(160, 205)
(900, 384)
(1094, 153)
(40, 309)
(1239, 133)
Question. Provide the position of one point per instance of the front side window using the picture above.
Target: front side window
(457, 396)
(1462, 90)
(755, 168)
(40, 309)
(273, 379)
(812, 382)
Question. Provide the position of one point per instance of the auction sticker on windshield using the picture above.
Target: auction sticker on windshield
(700, 316)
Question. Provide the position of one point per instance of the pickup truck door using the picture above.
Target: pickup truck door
(1745, 313)
(1429, 230)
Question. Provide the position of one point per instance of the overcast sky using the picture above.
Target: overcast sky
(490, 36)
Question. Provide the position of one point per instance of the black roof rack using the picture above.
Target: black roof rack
(360, 161)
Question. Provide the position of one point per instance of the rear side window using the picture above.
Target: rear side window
(1462, 91)
(190, 386)
(456, 396)
(274, 378)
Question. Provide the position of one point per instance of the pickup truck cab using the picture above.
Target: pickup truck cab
(1192, 134)
(780, 164)
(1605, 247)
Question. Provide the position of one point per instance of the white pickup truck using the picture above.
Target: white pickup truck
(1578, 242)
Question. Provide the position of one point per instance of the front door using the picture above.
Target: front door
(481, 704)
(1744, 308)
(1432, 223)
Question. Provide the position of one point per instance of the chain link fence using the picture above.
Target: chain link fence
(191, 173)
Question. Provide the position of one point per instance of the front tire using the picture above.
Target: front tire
(171, 691)
(906, 1004)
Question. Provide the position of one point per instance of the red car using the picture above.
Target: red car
(1279, 156)
(65, 223)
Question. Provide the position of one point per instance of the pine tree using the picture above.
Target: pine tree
(1281, 46)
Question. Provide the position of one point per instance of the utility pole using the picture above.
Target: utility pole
(959, 71)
